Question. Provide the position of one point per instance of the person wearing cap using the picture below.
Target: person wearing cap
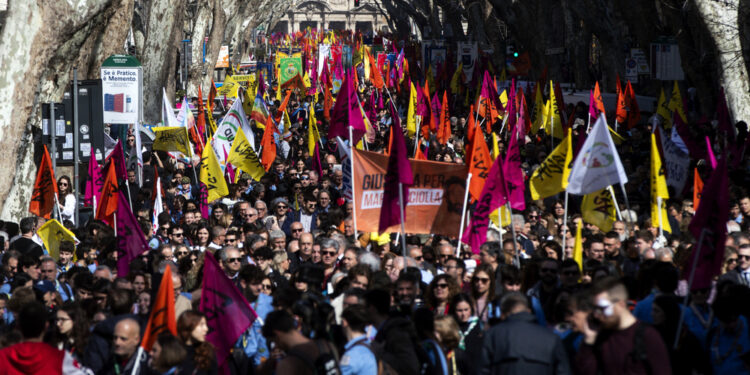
(281, 214)
(284, 146)
(185, 188)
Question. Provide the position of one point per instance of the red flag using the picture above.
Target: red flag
(108, 200)
(131, 242)
(375, 77)
(162, 317)
(494, 195)
(228, 314)
(316, 164)
(710, 220)
(697, 189)
(268, 155)
(212, 95)
(419, 155)
(45, 188)
(398, 175)
(282, 107)
(327, 104)
(488, 103)
(201, 122)
(598, 102)
(470, 130)
(634, 112)
(435, 110)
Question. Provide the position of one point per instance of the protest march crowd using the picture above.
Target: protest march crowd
(349, 208)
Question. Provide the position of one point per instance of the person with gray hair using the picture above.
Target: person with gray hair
(522, 236)
(277, 240)
(329, 251)
(369, 259)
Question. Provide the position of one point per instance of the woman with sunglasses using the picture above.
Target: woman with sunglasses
(483, 292)
(440, 292)
(66, 199)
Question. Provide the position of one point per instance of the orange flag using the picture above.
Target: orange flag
(327, 103)
(697, 189)
(45, 188)
(282, 107)
(419, 154)
(634, 114)
(479, 166)
(444, 132)
(268, 155)
(162, 317)
(598, 102)
(622, 103)
(375, 76)
(108, 199)
(470, 132)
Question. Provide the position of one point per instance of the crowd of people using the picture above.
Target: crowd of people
(330, 299)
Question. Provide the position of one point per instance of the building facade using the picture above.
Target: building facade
(363, 15)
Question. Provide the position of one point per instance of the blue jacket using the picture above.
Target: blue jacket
(252, 341)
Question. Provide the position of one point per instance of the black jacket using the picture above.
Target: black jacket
(395, 342)
(734, 276)
(520, 346)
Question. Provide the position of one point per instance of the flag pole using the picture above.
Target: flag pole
(661, 224)
(690, 284)
(354, 196)
(625, 195)
(515, 239)
(552, 132)
(127, 187)
(401, 211)
(115, 218)
(617, 206)
(463, 216)
(565, 225)
(137, 365)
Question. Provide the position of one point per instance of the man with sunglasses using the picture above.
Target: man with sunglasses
(615, 341)
(231, 261)
(176, 235)
(741, 273)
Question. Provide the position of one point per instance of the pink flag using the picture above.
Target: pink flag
(511, 106)
(399, 172)
(423, 104)
(494, 195)
(489, 91)
(514, 174)
(95, 181)
(261, 84)
(435, 115)
(130, 239)
(346, 112)
(711, 218)
(592, 106)
(227, 312)
(203, 199)
(118, 157)
(711, 157)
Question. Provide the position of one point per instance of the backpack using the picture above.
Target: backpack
(383, 367)
(325, 364)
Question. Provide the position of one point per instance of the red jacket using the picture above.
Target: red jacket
(37, 358)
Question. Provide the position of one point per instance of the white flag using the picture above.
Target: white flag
(597, 164)
(167, 112)
(227, 130)
(158, 209)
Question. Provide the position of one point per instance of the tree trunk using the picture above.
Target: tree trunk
(41, 42)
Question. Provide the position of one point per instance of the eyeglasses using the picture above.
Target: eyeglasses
(297, 230)
(266, 286)
(731, 260)
(182, 253)
(329, 253)
(63, 184)
(234, 260)
(482, 280)
(281, 206)
(177, 234)
(419, 258)
(441, 286)
(231, 239)
(533, 216)
(164, 228)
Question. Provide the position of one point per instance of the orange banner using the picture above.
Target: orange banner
(435, 199)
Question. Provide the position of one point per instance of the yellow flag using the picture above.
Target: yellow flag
(411, 120)
(618, 139)
(365, 59)
(431, 80)
(552, 175)
(172, 138)
(598, 208)
(658, 189)
(539, 114)
(552, 123)
(675, 102)
(578, 247)
(248, 99)
(306, 81)
(287, 122)
(456, 82)
(503, 75)
(501, 216)
(211, 175)
(229, 88)
(663, 110)
(504, 98)
(244, 157)
(495, 146)
(313, 136)
(52, 234)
